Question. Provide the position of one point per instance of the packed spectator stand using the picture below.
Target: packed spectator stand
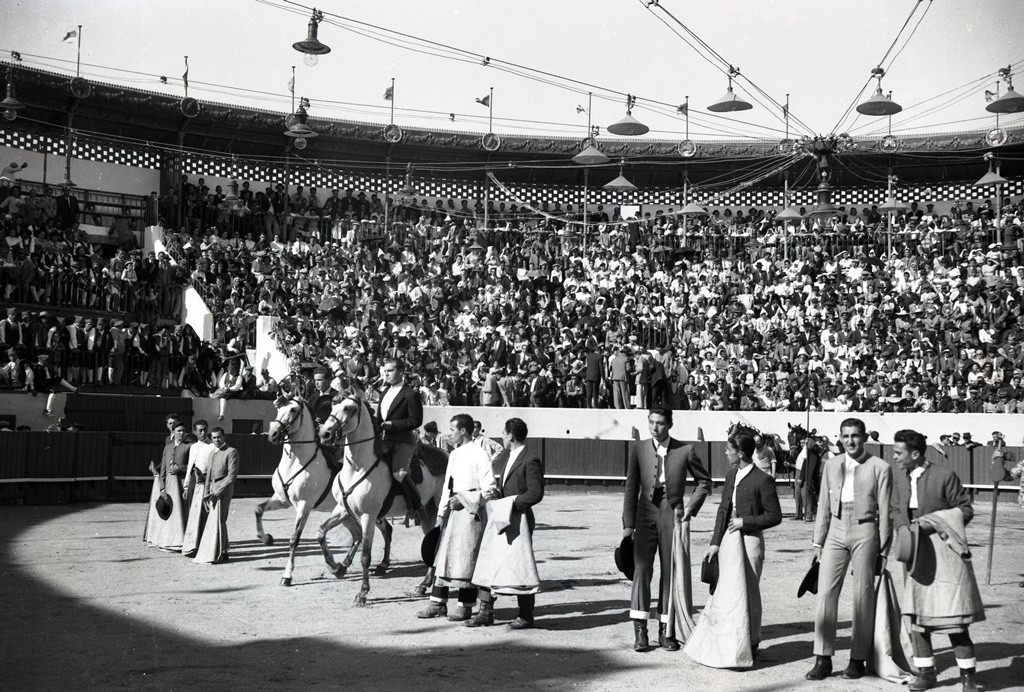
(507, 307)
(501, 306)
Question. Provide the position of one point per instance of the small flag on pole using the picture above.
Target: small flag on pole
(785, 111)
(389, 94)
(291, 84)
(68, 37)
(485, 101)
(682, 109)
(451, 116)
(580, 109)
(184, 77)
(989, 95)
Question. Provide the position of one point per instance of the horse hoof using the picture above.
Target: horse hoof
(339, 572)
(419, 591)
(286, 581)
(268, 540)
(360, 601)
(380, 571)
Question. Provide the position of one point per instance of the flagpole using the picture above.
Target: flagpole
(586, 172)
(487, 180)
(392, 100)
(78, 63)
(185, 79)
(293, 88)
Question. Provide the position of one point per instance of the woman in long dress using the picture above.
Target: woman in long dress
(729, 630)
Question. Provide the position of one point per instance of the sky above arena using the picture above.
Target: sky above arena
(820, 53)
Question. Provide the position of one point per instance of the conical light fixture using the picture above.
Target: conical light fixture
(730, 102)
(629, 126)
(891, 204)
(990, 178)
(591, 156)
(11, 105)
(1011, 101)
(311, 47)
(789, 214)
(824, 206)
(299, 130)
(693, 209)
(879, 104)
(621, 182)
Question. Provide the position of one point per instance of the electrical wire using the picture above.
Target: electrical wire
(560, 81)
(856, 99)
(648, 5)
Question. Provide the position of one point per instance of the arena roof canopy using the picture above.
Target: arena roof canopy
(139, 118)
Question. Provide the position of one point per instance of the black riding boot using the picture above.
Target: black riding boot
(412, 497)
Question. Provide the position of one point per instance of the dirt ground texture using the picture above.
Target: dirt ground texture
(85, 604)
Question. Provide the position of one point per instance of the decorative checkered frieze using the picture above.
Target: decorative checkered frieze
(84, 149)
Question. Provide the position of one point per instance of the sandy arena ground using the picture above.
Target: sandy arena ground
(86, 605)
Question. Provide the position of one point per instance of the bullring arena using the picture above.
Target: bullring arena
(298, 274)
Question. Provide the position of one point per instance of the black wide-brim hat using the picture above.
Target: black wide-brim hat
(709, 573)
(810, 580)
(164, 506)
(624, 558)
(428, 548)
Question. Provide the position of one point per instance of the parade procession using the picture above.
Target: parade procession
(650, 344)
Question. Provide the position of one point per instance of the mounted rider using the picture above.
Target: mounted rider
(400, 413)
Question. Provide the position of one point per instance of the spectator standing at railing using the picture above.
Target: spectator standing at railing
(67, 209)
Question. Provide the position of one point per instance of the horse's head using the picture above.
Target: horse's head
(344, 418)
(797, 434)
(290, 413)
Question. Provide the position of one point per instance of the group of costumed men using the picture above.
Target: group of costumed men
(868, 511)
(192, 491)
(486, 526)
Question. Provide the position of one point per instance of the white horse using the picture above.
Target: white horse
(303, 477)
(361, 488)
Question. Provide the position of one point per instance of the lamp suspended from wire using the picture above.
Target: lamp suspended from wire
(621, 182)
(298, 129)
(311, 47)
(11, 105)
(730, 102)
(879, 104)
(629, 126)
(1011, 101)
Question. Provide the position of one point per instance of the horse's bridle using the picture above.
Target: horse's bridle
(359, 417)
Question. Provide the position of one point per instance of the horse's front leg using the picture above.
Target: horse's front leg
(387, 531)
(423, 588)
(352, 524)
(267, 506)
(367, 524)
(302, 510)
(335, 519)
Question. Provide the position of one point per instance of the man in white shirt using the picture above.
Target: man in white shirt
(852, 527)
(468, 484)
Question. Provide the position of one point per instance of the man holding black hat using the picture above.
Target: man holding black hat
(852, 527)
(655, 486)
(930, 509)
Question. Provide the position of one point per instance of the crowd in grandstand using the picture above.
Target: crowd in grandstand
(727, 312)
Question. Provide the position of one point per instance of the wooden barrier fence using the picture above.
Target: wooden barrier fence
(57, 468)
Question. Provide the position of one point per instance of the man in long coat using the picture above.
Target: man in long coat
(653, 502)
(941, 593)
